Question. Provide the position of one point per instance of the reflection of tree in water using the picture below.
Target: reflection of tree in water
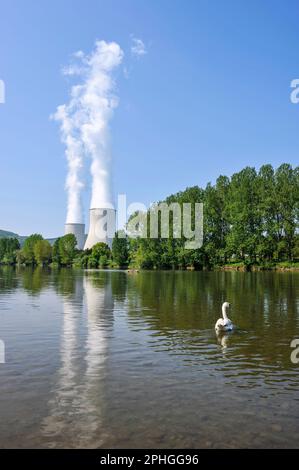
(181, 309)
(119, 285)
(34, 280)
(76, 408)
(8, 279)
(65, 280)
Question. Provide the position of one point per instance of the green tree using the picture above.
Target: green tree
(244, 215)
(42, 252)
(268, 207)
(216, 224)
(28, 248)
(8, 250)
(287, 200)
(56, 252)
(120, 249)
(100, 255)
(67, 249)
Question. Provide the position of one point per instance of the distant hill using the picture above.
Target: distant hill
(51, 240)
(5, 234)
(21, 238)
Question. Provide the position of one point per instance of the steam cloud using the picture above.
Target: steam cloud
(85, 125)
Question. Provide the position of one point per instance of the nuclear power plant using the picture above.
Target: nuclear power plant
(79, 231)
(102, 225)
(84, 125)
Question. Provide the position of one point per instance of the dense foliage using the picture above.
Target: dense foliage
(250, 218)
(8, 249)
(98, 257)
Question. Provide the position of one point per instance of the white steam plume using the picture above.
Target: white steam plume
(85, 124)
(74, 155)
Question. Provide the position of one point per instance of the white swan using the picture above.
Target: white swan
(224, 324)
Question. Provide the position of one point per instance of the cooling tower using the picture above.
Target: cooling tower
(79, 231)
(102, 225)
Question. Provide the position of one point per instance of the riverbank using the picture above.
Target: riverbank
(242, 267)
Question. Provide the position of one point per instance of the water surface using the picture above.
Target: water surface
(116, 360)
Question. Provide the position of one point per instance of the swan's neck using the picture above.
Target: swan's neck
(224, 314)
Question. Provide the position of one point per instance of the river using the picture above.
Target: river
(110, 359)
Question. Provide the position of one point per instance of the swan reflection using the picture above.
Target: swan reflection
(223, 339)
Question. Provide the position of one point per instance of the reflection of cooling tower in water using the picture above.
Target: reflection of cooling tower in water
(99, 306)
(76, 411)
(79, 231)
(72, 312)
(101, 227)
(66, 388)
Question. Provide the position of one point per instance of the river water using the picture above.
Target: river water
(109, 359)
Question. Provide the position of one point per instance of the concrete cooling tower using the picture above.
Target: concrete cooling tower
(79, 231)
(102, 226)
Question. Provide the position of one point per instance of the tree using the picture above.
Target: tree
(28, 248)
(42, 252)
(216, 224)
(267, 243)
(56, 252)
(67, 249)
(243, 215)
(287, 200)
(100, 255)
(8, 250)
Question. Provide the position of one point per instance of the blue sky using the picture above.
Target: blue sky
(210, 96)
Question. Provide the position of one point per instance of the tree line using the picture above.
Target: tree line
(36, 251)
(250, 218)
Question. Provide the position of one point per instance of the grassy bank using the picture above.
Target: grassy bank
(243, 267)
